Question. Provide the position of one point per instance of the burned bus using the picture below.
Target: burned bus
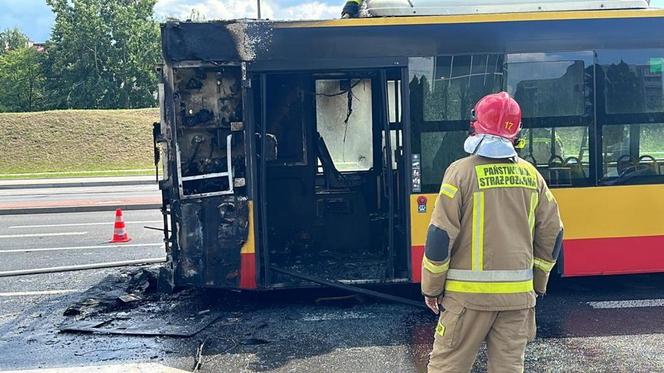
(317, 148)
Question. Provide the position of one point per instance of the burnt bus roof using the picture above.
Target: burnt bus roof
(309, 41)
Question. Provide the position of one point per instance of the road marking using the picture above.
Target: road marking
(635, 303)
(80, 248)
(81, 224)
(130, 367)
(108, 202)
(43, 234)
(329, 316)
(37, 293)
(77, 172)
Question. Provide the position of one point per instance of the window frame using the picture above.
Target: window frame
(606, 119)
(587, 119)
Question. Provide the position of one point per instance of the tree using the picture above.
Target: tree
(21, 80)
(102, 54)
(11, 39)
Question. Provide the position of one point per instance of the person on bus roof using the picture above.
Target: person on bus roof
(351, 9)
(493, 239)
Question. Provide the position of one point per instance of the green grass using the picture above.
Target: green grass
(71, 143)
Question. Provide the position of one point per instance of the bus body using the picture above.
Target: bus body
(319, 147)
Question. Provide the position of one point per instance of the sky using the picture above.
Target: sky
(35, 18)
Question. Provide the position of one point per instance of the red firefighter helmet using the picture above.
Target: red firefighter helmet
(497, 114)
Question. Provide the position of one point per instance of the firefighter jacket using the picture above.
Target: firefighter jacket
(494, 236)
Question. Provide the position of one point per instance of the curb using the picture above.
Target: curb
(78, 184)
(67, 209)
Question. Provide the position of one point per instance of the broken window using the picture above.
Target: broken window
(344, 119)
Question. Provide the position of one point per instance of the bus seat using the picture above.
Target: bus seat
(560, 174)
(624, 164)
(576, 168)
(649, 164)
(333, 178)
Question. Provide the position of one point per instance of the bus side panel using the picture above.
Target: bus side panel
(612, 230)
(421, 207)
(611, 256)
(608, 230)
(248, 255)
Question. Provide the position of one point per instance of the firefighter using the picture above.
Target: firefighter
(494, 236)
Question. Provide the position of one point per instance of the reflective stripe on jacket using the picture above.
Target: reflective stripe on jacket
(494, 235)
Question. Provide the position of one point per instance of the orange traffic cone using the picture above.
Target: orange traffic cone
(120, 231)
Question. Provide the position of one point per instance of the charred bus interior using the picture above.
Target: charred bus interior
(331, 176)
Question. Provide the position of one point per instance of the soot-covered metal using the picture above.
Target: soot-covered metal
(260, 41)
(205, 198)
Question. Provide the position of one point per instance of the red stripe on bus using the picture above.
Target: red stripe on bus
(613, 256)
(416, 254)
(248, 271)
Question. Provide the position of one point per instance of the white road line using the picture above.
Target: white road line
(635, 303)
(43, 234)
(328, 316)
(80, 248)
(77, 172)
(112, 368)
(37, 293)
(81, 224)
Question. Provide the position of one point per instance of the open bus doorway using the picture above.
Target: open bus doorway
(331, 186)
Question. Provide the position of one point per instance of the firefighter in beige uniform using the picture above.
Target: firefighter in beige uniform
(494, 237)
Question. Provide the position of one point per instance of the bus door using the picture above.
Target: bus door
(331, 176)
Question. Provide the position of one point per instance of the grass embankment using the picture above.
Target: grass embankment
(72, 143)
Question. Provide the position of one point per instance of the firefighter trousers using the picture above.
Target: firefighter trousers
(461, 331)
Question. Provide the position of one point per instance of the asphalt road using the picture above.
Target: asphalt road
(51, 240)
(606, 324)
(78, 196)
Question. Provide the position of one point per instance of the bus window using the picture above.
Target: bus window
(561, 154)
(394, 100)
(633, 150)
(547, 88)
(457, 83)
(633, 81)
(344, 121)
(439, 150)
(555, 95)
(632, 115)
(443, 91)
